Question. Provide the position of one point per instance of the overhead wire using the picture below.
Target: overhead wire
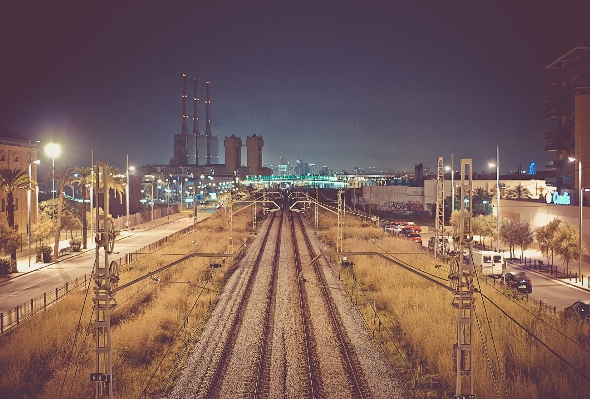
(530, 333)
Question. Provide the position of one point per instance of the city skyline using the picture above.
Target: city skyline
(338, 83)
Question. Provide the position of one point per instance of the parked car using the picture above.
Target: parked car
(517, 280)
(441, 242)
(579, 309)
(405, 231)
(416, 237)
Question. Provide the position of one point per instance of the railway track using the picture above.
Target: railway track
(278, 329)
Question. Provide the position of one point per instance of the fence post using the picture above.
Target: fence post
(56, 293)
(44, 300)
(1, 323)
(17, 315)
(32, 309)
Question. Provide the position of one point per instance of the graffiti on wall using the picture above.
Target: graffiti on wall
(407, 208)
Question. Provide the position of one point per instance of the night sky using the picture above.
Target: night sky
(340, 83)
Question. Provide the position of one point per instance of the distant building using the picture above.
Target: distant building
(567, 103)
(17, 152)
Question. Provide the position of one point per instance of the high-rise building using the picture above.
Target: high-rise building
(567, 102)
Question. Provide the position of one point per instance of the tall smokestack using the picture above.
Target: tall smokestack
(208, 112)
(208, 133)
(184, 107)
(196, 131)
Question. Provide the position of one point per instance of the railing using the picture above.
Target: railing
(22, 312)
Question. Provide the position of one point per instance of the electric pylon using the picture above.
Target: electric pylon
(461, 280)
(106, 278)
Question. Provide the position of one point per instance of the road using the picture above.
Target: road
(558, 293)
(21, 289)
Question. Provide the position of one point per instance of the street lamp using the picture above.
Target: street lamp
(497, 165)
(580, 200)
(37, 161)
(53, 150)
(128, 168)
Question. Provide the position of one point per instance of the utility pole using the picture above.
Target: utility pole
(439, 223)
(106, 278)
(461, 280)
(340, 219)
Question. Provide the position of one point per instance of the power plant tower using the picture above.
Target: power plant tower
(180, 140)
(212, 142)
(184, 106)
(193, 142)
(254, 146)
(233, 152)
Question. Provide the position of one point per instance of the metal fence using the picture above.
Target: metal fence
(22, 312)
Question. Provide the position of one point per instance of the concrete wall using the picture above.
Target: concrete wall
(539, 213)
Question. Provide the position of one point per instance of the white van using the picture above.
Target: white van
(490, 263)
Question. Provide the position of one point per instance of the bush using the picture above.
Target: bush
(4, 267)
(76, 244)
(43, 254)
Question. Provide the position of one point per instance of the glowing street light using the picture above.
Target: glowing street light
(580, 200)
(53, 150)
(497, 165)
(128, 168)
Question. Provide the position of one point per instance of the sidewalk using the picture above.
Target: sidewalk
(531, 261)
(26, 264)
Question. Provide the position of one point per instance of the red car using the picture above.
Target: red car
(416, 237)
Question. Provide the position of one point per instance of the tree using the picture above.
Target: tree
(544, 237)
(9, 242)
(70, 222)
(83, 177)
(524, 236)
(65, 178)
(566, 243)
(484, 226)
(116, 181)
(509, 234)
(44, 228)
(10, 181)
(518, 192)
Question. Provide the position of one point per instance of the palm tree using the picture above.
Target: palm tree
(83, 176)
(10, 181)
(518, 192)
(65, 178)
(116, 181)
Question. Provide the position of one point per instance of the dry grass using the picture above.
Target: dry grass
(151, 326)
(411, 316)
(414, 320)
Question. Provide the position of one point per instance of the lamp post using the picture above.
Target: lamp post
(580, 200)
(497, 165)
(128, 168)
(53, 150)
(31, 162)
